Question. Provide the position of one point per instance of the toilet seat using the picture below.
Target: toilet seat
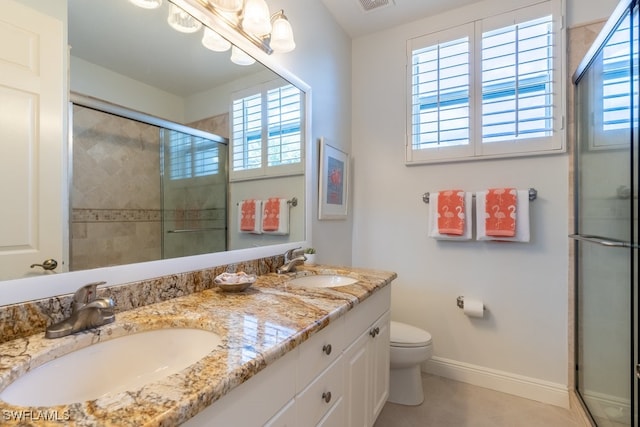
(403, 335)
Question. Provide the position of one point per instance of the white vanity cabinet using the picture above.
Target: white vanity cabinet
(338, 377)
(366, 364)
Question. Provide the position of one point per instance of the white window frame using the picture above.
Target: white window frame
(265, 171)
(476, 149)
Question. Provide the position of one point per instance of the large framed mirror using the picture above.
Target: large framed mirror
(132, 73)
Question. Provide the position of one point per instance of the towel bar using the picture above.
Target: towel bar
(292, 202)
(533, 194)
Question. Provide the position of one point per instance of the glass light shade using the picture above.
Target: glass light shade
(282, 35)
(256, 19)
(227, 5)
(214, 41)
(239, 57)
(182, 21)
(147, 4)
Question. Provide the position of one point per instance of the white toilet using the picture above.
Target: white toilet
(410, 346)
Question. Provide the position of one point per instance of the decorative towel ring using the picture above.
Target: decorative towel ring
(533, 194)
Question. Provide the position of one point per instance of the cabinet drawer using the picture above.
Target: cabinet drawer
(359, 318)
(319, 351)
(335, 416)
(321, 395)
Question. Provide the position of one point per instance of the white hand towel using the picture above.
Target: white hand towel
(275, 216)
(433, 219)
(522, 219)
(250, 216)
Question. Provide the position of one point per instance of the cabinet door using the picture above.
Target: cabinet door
(357, 382)
(380, 366)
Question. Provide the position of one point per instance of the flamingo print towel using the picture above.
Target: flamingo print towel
(500, 209)
(522, 227)
(451, 215)
(249, 216)
(275, 216)
(434, 208)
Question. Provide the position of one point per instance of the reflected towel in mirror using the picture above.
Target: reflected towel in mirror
(275, 216)
(250, 216)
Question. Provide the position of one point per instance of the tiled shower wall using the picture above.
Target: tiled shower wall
(115, 195)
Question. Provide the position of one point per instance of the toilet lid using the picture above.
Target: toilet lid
(403, 335)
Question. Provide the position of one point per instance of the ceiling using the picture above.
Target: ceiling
(356, 22)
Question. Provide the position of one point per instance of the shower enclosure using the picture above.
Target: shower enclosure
(606, 229)
(143, 189)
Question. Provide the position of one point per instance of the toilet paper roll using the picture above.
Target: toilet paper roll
(473, 307)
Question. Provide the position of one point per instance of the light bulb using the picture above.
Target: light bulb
(182, 21)
(256, 18)
(282, 35)
(239, 57)
(214, 41)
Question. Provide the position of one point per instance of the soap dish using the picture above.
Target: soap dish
(234, 282)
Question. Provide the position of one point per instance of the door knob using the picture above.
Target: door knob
(47, 264)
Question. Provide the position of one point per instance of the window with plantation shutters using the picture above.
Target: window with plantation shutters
(611, 99)
(190, 156)
(489, 88)
(266, 133)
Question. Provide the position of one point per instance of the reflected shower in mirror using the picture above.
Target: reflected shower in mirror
(141, 192)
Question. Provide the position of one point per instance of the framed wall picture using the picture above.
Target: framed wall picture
(334, 182)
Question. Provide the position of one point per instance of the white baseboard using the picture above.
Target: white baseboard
(518, 385)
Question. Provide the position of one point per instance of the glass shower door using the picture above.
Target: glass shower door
(606, 226)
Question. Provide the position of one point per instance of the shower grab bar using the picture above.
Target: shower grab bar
(195, 230)
(604, 241)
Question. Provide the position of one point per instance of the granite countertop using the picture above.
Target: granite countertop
(292, 313)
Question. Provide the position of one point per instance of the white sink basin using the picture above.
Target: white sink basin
(323, 281)
(124, 363)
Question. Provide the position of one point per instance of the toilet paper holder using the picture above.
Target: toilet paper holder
(460, 303)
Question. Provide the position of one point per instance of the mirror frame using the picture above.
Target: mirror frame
(16, 291)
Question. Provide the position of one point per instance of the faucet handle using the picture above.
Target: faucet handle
(289, 254)
(85, 295)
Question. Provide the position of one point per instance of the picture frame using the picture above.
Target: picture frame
(333, 177)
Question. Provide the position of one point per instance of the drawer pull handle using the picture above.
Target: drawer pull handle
(374, 331)
(326, 396)
(327, 349)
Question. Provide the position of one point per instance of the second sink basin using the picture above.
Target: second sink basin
(117, 365)
(323, 281)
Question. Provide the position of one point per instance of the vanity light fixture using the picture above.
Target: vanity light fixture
(281, 35)
(230, 6)
(256, 18)
(147, 4)
(214, 41)
(182, 21)
(238, 56)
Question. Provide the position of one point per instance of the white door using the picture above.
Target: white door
(32, 123)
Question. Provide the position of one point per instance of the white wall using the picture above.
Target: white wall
(322, 59)
(524, 286)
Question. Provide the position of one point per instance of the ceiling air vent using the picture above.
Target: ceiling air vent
(369, 5)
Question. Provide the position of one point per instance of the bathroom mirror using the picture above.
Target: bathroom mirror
(115, 42)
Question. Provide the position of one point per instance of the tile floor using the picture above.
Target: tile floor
(451, 403)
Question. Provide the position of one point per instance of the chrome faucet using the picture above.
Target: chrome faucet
(290, 263)
(87, 311)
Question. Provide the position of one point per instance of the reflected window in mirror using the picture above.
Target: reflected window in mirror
(267, 137)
